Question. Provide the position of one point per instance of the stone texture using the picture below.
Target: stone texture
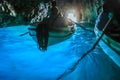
(17, 12)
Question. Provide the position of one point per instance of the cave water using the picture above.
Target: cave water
(20, 58)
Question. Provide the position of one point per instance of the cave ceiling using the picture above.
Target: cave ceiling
(25, 11)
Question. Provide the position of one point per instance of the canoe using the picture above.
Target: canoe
(59, 32)
(110, 42)
(110, 46)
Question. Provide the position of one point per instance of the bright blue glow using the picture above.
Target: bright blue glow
(20, 58)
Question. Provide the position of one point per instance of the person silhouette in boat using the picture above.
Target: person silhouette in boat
(54, 9)
(42, 30)
(110, 7)
(54, 12)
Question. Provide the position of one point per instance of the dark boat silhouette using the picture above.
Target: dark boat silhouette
(61, 30)
(110, 42)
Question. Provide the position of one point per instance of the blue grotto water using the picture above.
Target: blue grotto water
(20, 58)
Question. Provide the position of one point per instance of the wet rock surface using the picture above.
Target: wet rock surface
(17, 12)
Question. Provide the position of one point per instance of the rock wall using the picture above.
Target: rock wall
(86, 9)
(17, 12)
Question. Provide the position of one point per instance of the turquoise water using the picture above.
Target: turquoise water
(20, 59)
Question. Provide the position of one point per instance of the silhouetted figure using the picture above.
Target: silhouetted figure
(42, 29)
(113, 7)
(110, 7)
(54, 13)
(54, 9)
